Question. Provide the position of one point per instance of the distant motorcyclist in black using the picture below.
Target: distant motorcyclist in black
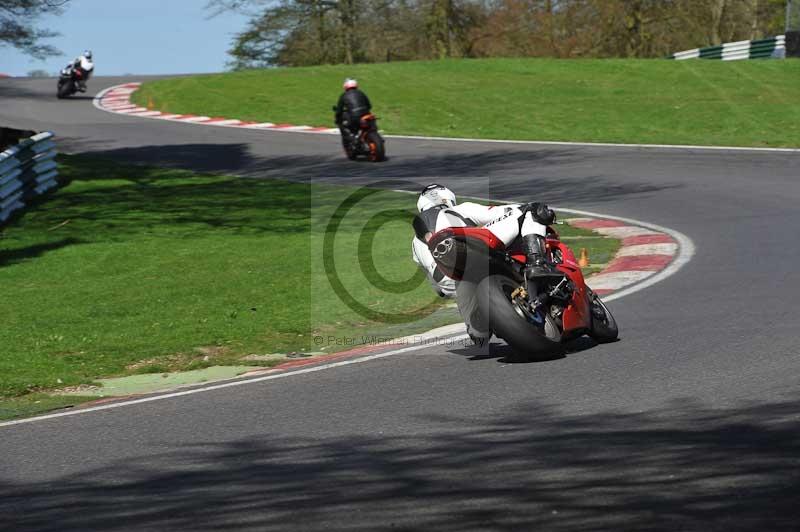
(353, 104)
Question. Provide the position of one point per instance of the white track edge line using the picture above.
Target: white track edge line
(225, 385)
(599, 144)
(685, 252)
(99, 96)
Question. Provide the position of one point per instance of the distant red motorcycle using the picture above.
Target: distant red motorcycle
(367, 142)
(533, 316)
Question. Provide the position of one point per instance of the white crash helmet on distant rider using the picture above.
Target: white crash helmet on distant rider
(86, 61)
(350, 83)
(434, 195)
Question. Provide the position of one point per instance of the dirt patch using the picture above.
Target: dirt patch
(81, 389)
(212, 350)
(179, 361)
(264, 358)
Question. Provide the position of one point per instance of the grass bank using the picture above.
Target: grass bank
(133, 270)
(741, 103)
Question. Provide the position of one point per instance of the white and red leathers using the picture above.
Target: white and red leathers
(86, 66)
(506, 222)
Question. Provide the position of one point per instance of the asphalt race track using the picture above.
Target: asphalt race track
(690, 422)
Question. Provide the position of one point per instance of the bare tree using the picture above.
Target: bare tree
(18, 29)
(38, 73)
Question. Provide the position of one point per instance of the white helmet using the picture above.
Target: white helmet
(350, 83)
(87, 54)
(434, 195)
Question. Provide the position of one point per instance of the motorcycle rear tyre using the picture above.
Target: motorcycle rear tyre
(377, 151)
(529, 341)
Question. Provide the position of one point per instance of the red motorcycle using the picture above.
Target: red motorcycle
(533, 316)
(367, 142)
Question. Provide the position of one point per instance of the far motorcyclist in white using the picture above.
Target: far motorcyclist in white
(438, 210)
(73, 77)
(84, 62)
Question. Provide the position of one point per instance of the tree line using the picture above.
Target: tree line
(313, 32)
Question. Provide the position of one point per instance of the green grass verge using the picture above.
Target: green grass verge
(741, 103)
(141, 270)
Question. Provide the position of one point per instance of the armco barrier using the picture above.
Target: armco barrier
(774, 47)
(27, 171)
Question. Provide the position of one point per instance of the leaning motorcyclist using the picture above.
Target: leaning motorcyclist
(352, 105)
(438, 210)
(85, 63)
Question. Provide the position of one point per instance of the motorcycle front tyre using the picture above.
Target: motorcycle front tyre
(64, 89)
(604, 329)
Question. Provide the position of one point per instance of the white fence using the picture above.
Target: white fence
(773, 47)
(27, 171)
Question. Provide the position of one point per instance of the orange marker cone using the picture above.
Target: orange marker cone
(583, 262)
(150, 103)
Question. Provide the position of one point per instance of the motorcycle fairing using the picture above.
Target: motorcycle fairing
(455, 249)
(577, 315)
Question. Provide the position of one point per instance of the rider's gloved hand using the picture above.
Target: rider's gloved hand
(540, 212)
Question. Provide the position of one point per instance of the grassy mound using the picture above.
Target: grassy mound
(742, 103)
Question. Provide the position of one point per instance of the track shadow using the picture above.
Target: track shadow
(8, 257)
(20, 89)
(153, 202)
(504, 354)
(13, 89)
(155, 199)
(684, 467)
(77, 97)
(494, 351)
(471, 173)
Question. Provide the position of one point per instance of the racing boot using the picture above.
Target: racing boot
(480, 340)
(537, 265)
